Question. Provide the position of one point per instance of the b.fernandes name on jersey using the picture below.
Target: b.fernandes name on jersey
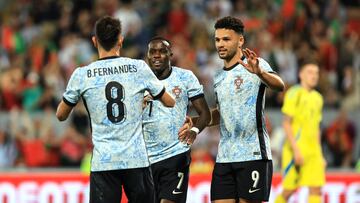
(111, 70)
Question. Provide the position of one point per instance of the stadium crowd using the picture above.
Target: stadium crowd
(43, 41)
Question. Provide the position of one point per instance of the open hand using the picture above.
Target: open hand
(252, 62)
(298, 158)
(184, 130)
(146, 99)
(188, 137)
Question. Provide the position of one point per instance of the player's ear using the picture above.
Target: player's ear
(94, 41)
(301, 73)
(120, 41)
(241, 41)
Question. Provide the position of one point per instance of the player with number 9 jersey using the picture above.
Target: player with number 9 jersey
(243, 169)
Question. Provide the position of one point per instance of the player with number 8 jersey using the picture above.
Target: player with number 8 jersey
(113, 99)
(112, 89)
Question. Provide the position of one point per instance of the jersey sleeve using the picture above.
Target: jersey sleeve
(195, 89)
(73, 89)
(290, 102)
(265, 65)
(152, 84)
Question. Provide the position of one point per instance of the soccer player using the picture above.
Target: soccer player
(243, 168)
(170, 158)
(112, 89)
(302, 160)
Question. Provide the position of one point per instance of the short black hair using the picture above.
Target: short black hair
(160, 38)
(308, 61)
(107, 30)
(230, 23)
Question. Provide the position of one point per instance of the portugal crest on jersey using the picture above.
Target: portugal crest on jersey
(238, 81)
(176, 91)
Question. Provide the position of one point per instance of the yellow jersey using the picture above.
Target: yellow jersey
(305, 109)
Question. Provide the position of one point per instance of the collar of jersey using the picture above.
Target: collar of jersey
(108, 57)
(171, 68)
(233, 66)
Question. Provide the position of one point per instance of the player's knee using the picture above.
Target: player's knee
(286, 194)
(315, 190)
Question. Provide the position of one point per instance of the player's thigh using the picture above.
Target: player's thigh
(253, 180)
(156, 170)
(223, 183)
(291, 177)
(138, 185)
(105, 187)
(313, 172)
(174, 178)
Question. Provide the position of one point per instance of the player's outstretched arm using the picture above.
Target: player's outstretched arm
(63, 111)
(167, 100)
(272, 80)
(188, 135)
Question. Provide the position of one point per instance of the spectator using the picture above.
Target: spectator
(8, 150)
(74, 142)
(201, 161)
(340, 137)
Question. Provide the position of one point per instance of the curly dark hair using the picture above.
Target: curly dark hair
(107, 30)
(230, 23)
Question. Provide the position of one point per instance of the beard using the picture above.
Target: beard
(228, 55)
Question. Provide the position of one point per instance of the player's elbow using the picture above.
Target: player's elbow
(170, 103)
(60, 116)
(276, 83)
(279, 86)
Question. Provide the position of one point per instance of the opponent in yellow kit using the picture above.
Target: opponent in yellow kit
(302, 159)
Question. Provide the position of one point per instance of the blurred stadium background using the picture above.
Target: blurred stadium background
(43, 41)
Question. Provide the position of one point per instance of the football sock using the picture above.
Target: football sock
(314, 199)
